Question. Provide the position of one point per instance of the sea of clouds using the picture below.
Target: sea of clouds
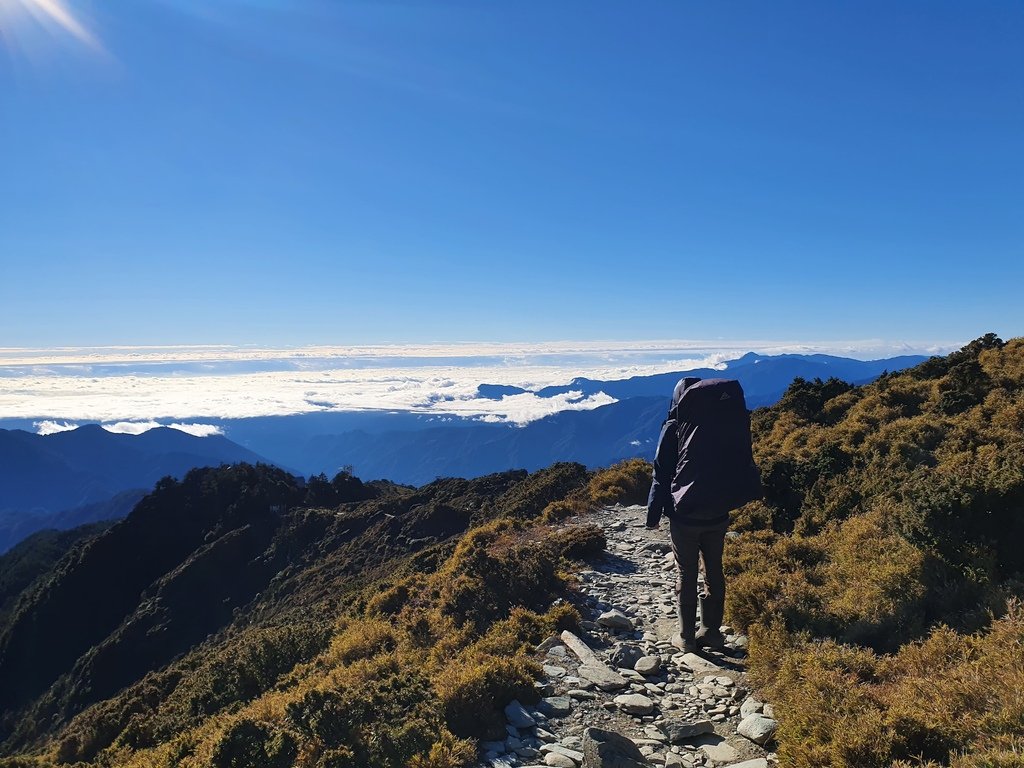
(131, 389)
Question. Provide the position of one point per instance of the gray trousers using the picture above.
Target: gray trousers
(689, 544)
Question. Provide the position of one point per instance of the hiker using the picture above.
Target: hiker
(704, 468)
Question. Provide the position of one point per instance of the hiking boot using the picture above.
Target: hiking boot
(686, 646)
(710, 638)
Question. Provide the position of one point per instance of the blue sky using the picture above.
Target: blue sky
(304, 172)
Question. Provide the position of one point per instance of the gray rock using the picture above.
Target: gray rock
(555, 706)
(615, 619)
(603, 677)
(769, 711)
(557, 760)
(553, 671)
(635, 704)
(751, 707)
(679, 732)
(607, 749)
(626, 656)
(759, 762)
(758, 728)
(581, 695)
(700, 665)
(648, 665)
(573, 754)
(517, 715)
(721, 752)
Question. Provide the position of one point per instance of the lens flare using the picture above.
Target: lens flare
(20, 20)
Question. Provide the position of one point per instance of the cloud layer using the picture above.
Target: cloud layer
(128, 387)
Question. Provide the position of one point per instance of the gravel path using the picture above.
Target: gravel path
(622, 674)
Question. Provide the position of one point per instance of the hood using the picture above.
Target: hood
(681, 387)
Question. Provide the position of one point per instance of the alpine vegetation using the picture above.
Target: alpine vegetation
(242, 618)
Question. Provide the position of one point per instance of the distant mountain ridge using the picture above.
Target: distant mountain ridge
(73, 477)
(764, 377)
(595, 438)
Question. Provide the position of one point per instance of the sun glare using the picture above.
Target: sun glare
(20, 18)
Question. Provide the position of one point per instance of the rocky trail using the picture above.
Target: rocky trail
(620, 695)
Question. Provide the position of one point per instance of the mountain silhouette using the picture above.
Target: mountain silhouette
(73, 477)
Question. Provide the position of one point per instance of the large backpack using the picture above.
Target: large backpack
(715, 469)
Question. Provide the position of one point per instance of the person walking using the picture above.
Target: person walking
(703, 469)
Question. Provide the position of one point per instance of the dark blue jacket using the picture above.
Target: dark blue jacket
(704, 467)
(659, 502)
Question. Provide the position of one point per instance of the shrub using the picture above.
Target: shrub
(578, 542)
(448, 752)
(628, 482)
(247, 744)
(947, 699)
(474, 689)
(361, 638)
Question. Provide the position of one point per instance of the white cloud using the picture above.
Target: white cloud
(511, 354)
(127, 387)
(138, 427)
(52, 427)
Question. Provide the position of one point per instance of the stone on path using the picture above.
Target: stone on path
(517, 715)
(558, 760)
(607, 749)
(555, 706)
(603, 677)
(615, 619)
(721, 752)
(583, 651)
(592, 668)
(678, 731)
(626, 656)
(635, 704)
(759, 762)
(758, 728)
(648, 665)
(751, 707)
(574, 755)
(700, 665)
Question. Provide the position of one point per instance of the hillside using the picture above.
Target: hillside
(247, 620)
(217, 585)
(891, 533)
